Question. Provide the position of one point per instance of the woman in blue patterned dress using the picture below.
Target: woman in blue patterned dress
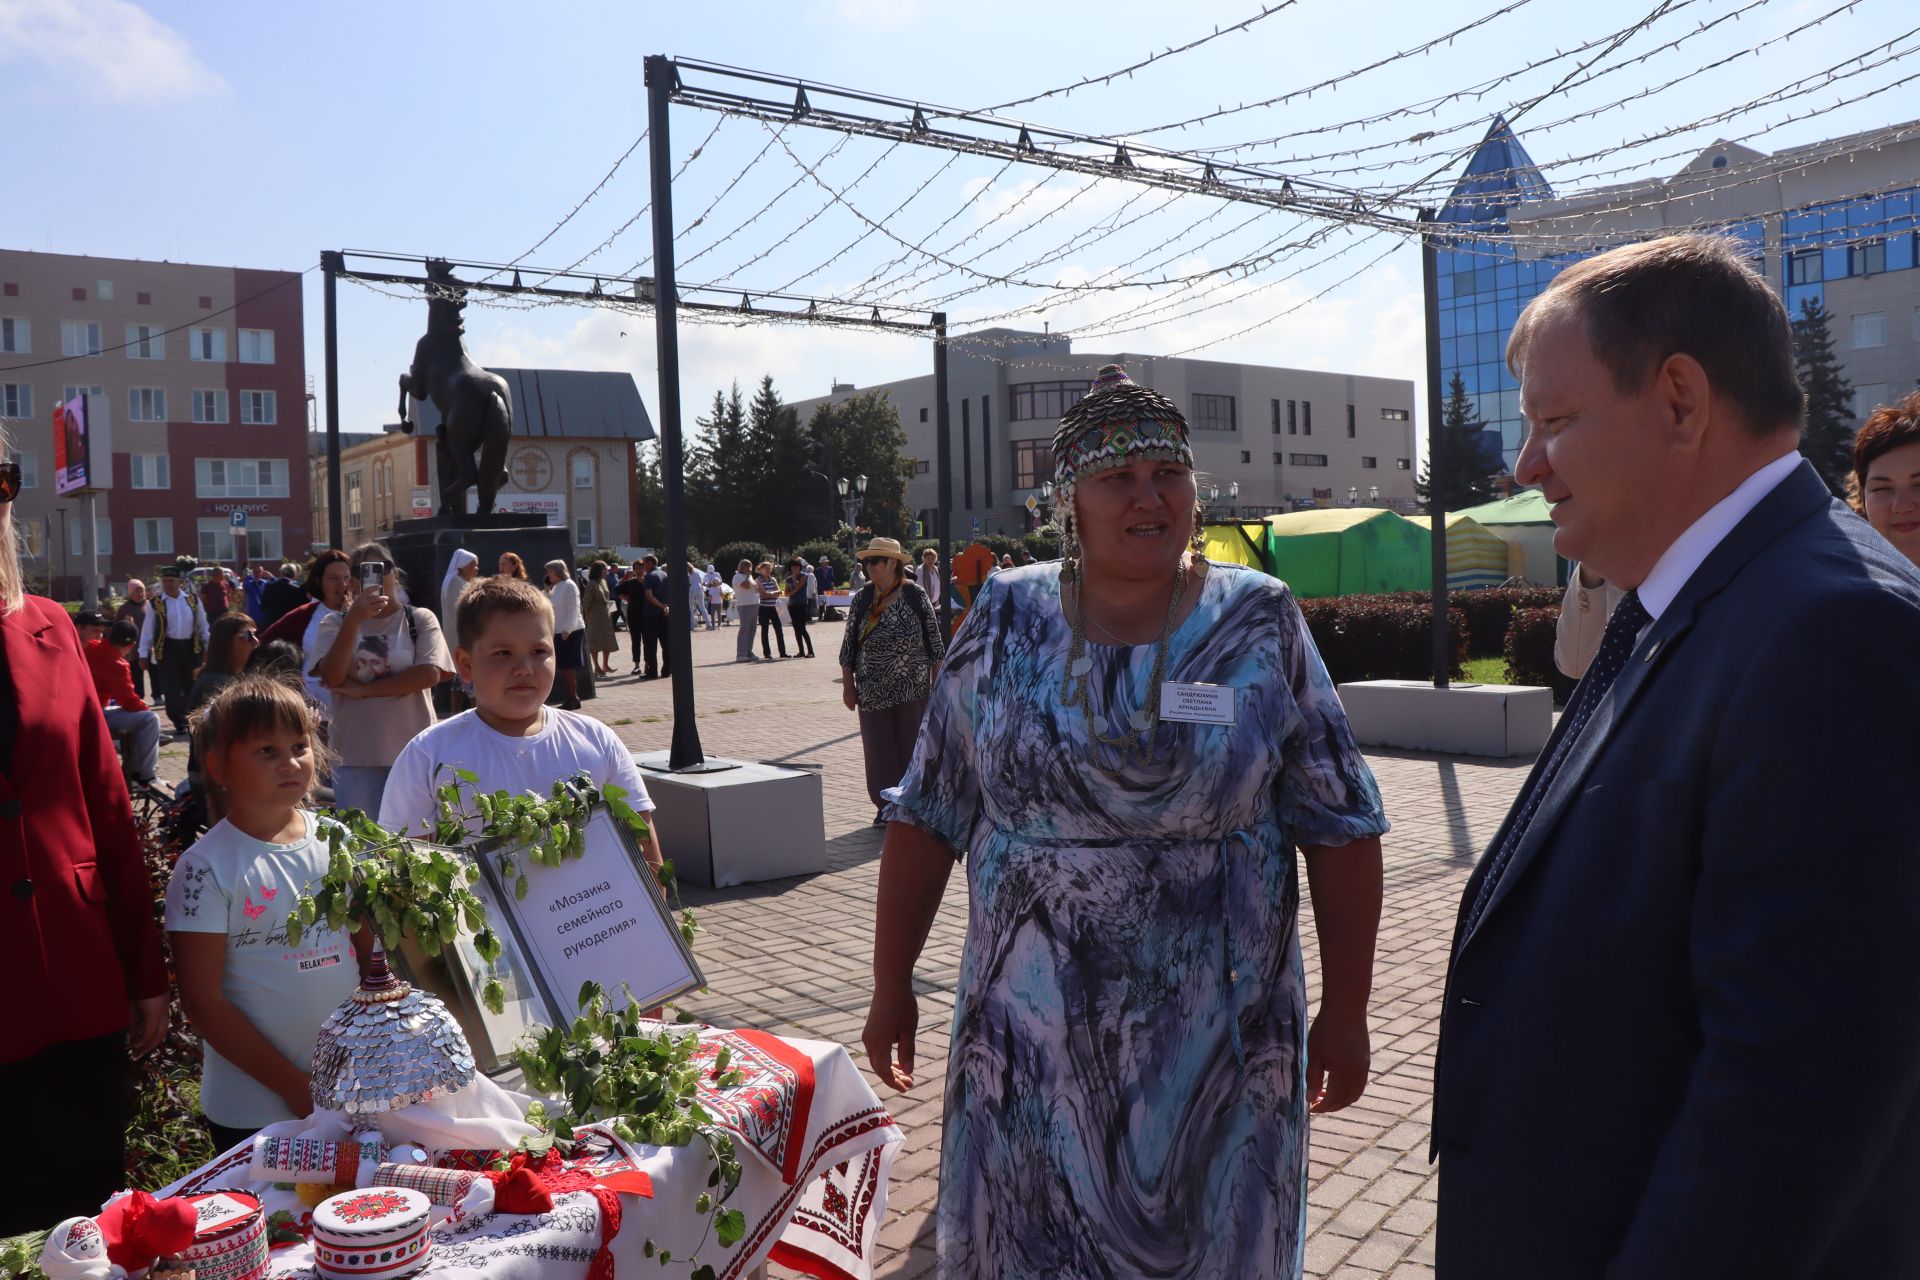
(1128, 747)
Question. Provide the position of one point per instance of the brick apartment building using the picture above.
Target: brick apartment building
(197, 390)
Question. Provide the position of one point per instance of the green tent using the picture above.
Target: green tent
(1347, 551)
(1527, 507)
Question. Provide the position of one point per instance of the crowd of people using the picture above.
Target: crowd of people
(1688, 932)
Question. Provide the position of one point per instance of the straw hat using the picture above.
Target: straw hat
(884, 548)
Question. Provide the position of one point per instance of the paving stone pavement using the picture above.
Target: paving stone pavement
(792, 956)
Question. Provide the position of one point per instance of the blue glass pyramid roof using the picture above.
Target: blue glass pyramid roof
(1499, 175)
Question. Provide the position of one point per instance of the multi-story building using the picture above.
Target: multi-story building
(196, 392)
(571, 460)
(1288, 438)
(1835, 221)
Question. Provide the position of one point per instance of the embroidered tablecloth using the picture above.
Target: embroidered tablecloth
(815, 1147)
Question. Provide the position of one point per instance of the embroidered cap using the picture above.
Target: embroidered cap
(1117, 422)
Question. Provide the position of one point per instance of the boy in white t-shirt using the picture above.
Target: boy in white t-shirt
(511, 740)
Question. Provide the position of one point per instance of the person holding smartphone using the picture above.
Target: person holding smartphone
(380, 657)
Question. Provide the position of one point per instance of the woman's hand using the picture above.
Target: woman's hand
(147, 1025)
(366, 605)
(891, 1022)
(849, 696)
(1338, 1056)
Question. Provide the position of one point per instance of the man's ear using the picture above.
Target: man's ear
(1686, 401)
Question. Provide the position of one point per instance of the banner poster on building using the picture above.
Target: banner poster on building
(70, 446)
(550, 506)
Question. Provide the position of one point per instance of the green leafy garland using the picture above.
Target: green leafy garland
(609, 1065)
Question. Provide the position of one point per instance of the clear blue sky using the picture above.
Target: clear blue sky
(256, 135)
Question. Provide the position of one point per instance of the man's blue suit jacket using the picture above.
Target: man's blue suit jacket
(1684, 1038)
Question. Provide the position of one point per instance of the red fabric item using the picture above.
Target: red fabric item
(138, 1229)
(520, 1190)
(77, 934)
(630, 1182)
(112, 677)
(558, 1178)
(292, 626)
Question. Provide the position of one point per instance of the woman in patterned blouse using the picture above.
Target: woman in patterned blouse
(888, 660)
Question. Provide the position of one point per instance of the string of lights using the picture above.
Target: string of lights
(778, 196)
(1149, 60)
(927, 263)
(979, 194)
(598, 187)
(809, 220)
(892, 213)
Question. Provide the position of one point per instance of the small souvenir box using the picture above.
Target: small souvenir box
(230, 1241)
(378, 1232)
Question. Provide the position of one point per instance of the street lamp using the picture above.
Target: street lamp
(852, 493)
(1353, 496)
(1231, 493)
(1046, 501)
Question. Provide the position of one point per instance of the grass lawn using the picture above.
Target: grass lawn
(1486, 671)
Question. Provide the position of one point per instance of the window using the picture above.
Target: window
(1246, 456)
(79, 338)
(103, 290)
(1868, 396)
(260, 408)
(1403, 464)
(250, 478)
(1212, 413)
(146, 342)
(210, 406)
(216, 539)
(150, 470)
(153, 537)
(1277, 459)
(1868, 259)
(207, 344)
(29, 469)
(16, 400)
(921, 466)
(379, 480)
(1032, 463)
(1307, 459)
(256, 346)
(1306, 417)
(582, 471)
(1369, 464)
(1044, 399)
(1276, 416)
(16, 335)
(1352, 430)
(1396, 415)
(923, 415)
(1804, 267)
(1870, 329)
(355, 517)
(28, 534)
(583, 532)
(146, 404)
(1293, 417)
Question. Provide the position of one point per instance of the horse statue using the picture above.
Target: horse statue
(476, 416)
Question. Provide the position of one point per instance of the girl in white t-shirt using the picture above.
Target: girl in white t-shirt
(257, 1001)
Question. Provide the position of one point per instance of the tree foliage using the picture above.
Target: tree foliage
(863, 436)
(1828, 439)
(1465, 481)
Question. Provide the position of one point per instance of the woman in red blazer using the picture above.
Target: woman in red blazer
(84, 980)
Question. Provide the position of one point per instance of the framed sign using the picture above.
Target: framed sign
(601, 916)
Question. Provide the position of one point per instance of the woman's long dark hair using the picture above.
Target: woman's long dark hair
(225, 632)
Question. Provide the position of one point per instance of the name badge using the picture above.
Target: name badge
(1196, 703)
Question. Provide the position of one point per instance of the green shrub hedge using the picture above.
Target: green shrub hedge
(726, 559)
(1381, 637)
(1529, 651)
(1490, 613)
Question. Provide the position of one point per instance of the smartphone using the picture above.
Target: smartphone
(372, 574)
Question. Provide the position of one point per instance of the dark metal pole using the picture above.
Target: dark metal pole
(330, 265)
(943, 470)
(685, 752)
(1436, 454)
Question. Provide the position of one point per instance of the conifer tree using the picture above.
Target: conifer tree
(1828, 439)
(1465, 482)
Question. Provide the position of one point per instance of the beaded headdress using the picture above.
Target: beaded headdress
(1117, 422)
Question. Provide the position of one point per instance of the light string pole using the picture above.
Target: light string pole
(1436, 450)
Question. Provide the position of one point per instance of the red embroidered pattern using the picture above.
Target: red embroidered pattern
(372, 1205)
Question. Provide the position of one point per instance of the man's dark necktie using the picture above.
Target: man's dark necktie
(1616, 646)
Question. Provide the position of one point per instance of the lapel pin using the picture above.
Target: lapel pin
(1651, 650)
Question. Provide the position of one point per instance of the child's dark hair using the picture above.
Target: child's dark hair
(252, 706)
(488, 598)
(123, 632)
(276, 658)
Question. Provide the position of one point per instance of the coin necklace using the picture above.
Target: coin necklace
(1136, 744)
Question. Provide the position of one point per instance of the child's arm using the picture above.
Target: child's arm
(415, 679)
(200, 959)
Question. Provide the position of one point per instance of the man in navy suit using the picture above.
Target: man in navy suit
(1681, 1032)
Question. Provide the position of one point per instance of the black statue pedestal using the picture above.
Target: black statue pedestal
(424, 549)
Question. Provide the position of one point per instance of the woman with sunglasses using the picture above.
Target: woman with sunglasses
(86, 984)
(235, 637)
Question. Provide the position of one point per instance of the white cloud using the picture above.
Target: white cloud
(110, 48)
